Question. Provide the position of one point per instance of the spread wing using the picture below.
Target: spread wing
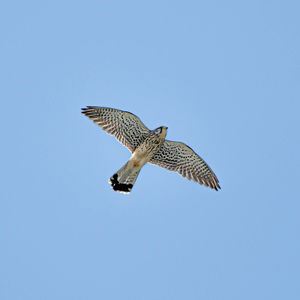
(178, 157)
(127, 128)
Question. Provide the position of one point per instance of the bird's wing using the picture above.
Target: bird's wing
(125, 126)
(178, 157)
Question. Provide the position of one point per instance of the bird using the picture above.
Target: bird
(148, 146)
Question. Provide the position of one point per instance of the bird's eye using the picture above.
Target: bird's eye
(158, 130)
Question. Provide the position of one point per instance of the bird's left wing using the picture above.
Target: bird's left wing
(178, 157)
(125, 126)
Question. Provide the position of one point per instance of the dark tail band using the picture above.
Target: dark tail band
(119, 187)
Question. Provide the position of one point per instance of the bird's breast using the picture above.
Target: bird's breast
(145, 151)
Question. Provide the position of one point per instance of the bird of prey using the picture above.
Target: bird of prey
(148, 146)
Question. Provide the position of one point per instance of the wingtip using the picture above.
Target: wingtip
(88, 107)
(87, 111)
(217, 187)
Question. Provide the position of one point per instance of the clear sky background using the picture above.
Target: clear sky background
(223, 76)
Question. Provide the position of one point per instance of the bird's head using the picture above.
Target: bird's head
(162, 131)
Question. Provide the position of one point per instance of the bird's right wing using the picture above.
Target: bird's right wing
(178, 157)
(125, 126)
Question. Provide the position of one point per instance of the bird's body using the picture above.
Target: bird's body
(148, 146)
(152, 143)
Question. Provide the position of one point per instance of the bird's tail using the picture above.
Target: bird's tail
(123, 180)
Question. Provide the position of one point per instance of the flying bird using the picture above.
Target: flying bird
(148, 146)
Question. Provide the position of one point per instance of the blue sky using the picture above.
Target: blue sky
(223, 76)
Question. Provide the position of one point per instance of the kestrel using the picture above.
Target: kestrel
(148, 146)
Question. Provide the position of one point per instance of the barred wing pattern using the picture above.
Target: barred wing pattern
(125, 126)
(178, 157)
